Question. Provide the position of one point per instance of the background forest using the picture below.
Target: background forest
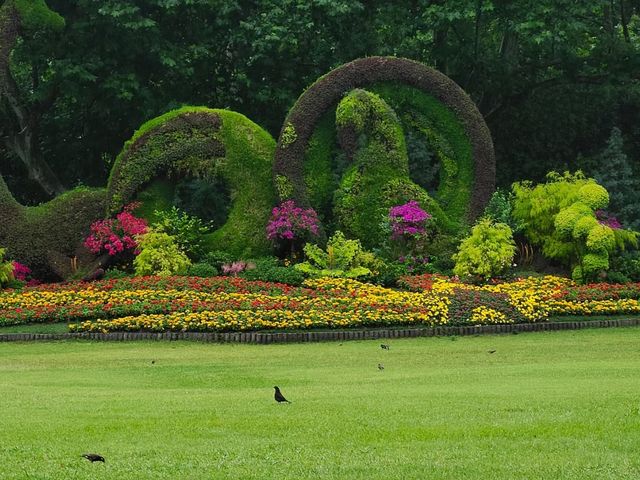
(558, 81)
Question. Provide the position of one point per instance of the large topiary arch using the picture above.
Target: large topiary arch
(204, 142)
(313, 105)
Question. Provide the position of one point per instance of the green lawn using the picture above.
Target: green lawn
(554, 405)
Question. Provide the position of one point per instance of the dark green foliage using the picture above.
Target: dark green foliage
(45, 238)
(202, 270)
(216, 146)
(208, 199)
(115, 273)
(217, 258)
(329, 89)
(269, 269)
(625, 267)
(613, 171)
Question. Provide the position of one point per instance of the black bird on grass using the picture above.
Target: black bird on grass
(384, 346)
(380, 366)
(491, 351)
(93, 457)
(279, 397)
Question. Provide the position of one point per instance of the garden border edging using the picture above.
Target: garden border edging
(319, 336)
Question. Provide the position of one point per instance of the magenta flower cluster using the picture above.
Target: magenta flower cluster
(289, 222)
(608, 220)
(407, 220)
(20, 271)
(115, 235)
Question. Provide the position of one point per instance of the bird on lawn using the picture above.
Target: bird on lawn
(384, 346)
(279, 397)
(93, 457)
(491, 351)
(380, 366)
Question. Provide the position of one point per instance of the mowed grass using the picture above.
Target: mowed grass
(557, 405)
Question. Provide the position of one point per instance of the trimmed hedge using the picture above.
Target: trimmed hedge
(326, 92)
(46, 238)
(205, 143)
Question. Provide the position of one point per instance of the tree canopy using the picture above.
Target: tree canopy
(552, 78)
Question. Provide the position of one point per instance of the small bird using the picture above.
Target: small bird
(491, 351)
(93, 457)
(380, 366)
(279, 397)
(384, 346)
(153, 362)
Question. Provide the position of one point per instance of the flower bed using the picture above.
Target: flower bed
(224, 304)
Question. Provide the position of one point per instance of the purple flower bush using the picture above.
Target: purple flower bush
(408, 226)
(291, 225)
(289, 222)
(408, 220)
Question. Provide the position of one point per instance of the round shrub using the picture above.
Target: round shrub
(594, 196)
(487, 252)
(160, 255)
(601, 238)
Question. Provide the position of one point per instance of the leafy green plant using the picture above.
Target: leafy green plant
(6, 269)
(160, 255)
(560, 215)
(187, 230)
(269, 269)
(202, 270)
(343, 258)
(487, 252)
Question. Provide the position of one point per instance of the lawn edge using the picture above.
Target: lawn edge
(321, 336)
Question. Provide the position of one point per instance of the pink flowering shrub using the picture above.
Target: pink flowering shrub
(407, 220)
(116, 235)
(234, 268)
(290, 226)
(289, 222)
(20, 271)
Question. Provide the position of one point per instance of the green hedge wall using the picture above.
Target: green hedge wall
(203, 142)
(47, 237)
(312, 106)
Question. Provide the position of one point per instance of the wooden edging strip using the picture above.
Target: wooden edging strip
(321, 336)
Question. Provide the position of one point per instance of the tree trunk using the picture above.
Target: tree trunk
(21, 138)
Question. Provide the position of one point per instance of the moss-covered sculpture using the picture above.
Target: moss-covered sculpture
(202, 142)
(377, 175)
(48, 237)
(469, 178)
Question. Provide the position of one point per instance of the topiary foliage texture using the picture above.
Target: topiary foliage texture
(313, 107)
(377, 176)
(205, 143)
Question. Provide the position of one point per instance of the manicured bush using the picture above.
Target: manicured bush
(160, 255)
(50, 236)
(560, 215)
(486, 253)
(270, 270)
